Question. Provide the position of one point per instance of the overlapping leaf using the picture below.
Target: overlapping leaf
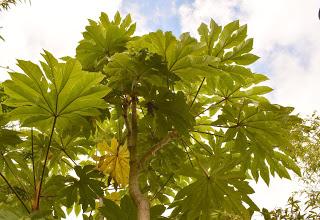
(84, 189)
(115, 161)
(230, 48)
(169, 111)
(61, 91)
(128, 71)
(127, 210)
(103, 39)
(219, 187)
(181, 56)
(260, 133)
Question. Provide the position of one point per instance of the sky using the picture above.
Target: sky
(286, 36)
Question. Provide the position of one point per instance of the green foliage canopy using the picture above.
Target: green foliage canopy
(195, 120)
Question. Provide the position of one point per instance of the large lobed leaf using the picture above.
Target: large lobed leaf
(218, 187)
(115, 161)
(60, 90)
(103, 39)
(84, 189)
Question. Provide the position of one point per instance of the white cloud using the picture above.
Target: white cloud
(295, 83)
(287, 38)
(274, 195)
(137, 16)
(202, 10)
(52, 25)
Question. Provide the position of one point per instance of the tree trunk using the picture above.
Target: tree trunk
(140, 201)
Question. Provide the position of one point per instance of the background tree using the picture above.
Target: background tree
(6, 4)
(137, 125)
(304, 204)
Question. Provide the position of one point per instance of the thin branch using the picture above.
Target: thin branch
(14, 191)
(197, 92)
(32, 158)
(13, 173)
(219, 126)
(239, 113)
(66, 162)
(151, 132)
(45, 162)
(7, 68)
(62, 148)
(224, 99)
(199, 163)
(153, 150)
(162, 187)
(65, 152)
(210, 106)
(204, 132)
(185, 148)
(201, 145)
(204, 124)
(125, 106)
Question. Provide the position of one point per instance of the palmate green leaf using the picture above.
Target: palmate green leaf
(61, 90)
(8, 137)
(209, 37)
(128, 71)
(218, 188)
(168, 111)
(127, 210)
(217, 41)
(226, 89)
(103, 39)
(181, 56)
(260, 133)
(67, 148)
(7, 213)
(84, 189)
(229, 50)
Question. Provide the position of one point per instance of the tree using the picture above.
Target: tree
(5, 4)
(137, 125)
(305, 203)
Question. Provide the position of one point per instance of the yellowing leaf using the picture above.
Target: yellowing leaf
(115, 197)
(115, 161)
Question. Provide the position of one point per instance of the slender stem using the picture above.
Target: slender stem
(199, 163)
(63, 149)
(197, 92)
(66, 162)
(162, 187)
(125, 117)
(65, 152)
(45, 161)
(151, 132)
(203, 132)
(171, 135)
(32, 158)
(222, 100)
(14, 191)
(210, 106)
(185, 148)
(13, 173)
(201, 145)
(7, 68)
(142, 203)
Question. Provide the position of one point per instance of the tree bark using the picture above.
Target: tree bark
(142, 203)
